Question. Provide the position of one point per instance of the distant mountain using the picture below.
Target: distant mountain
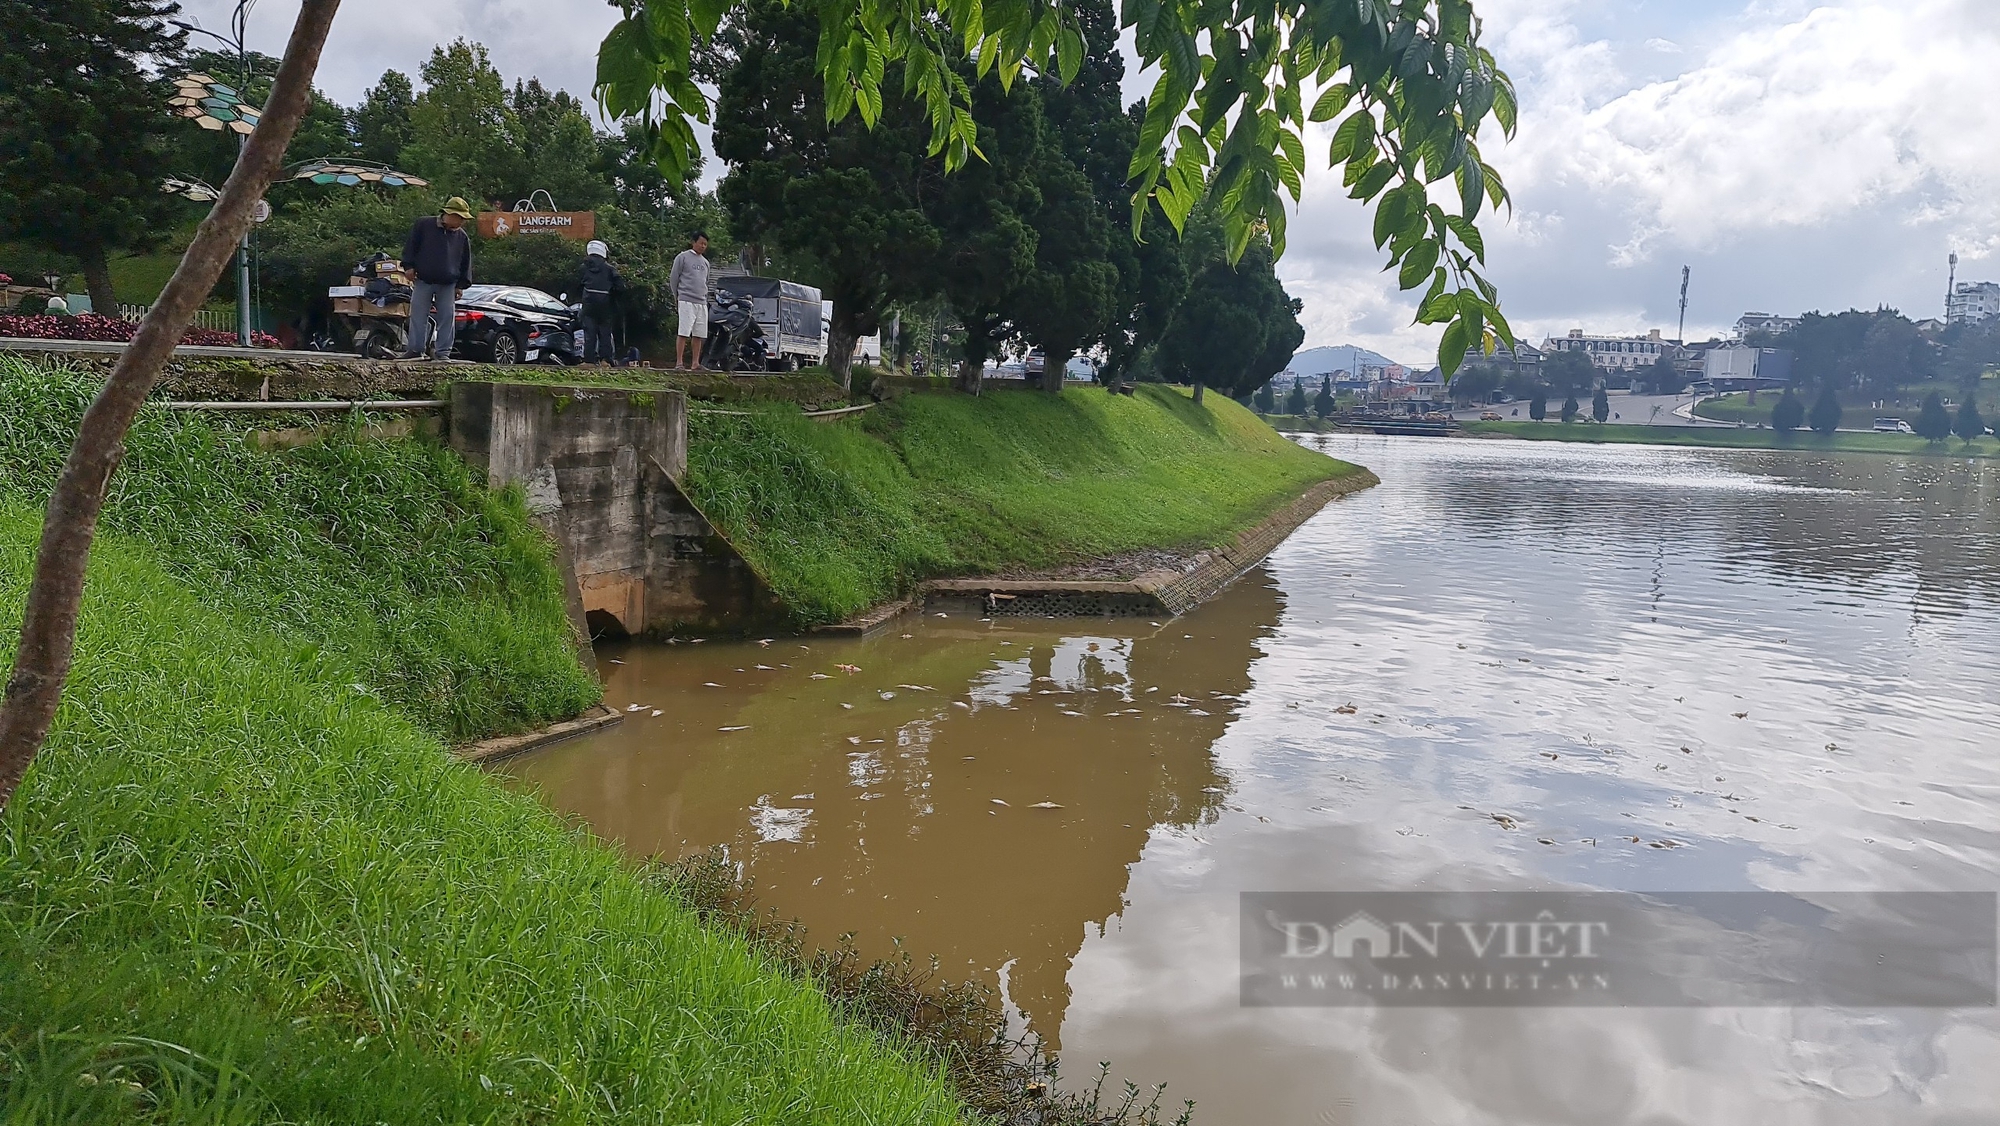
(1343, 357)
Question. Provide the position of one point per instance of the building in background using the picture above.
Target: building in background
(1740, 367)
(1765, 323)
(1613, 353)
(1972, 301)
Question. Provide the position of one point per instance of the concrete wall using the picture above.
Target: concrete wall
(602, 469)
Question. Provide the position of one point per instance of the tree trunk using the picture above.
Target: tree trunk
(97, 281)
(1197, 390)
(970, 376)
(48, 628)
(840, 337)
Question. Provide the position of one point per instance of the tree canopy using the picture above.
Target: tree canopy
(85, 139)
(1407, 82)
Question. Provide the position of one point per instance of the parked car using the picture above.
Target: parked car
(513, 324)
(1892, 426)
(1490, 416)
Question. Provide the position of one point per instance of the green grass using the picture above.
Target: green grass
(844, 515)
(1736, 406)
(1733, 438)
(246, 883)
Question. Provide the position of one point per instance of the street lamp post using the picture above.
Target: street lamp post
(239, 21)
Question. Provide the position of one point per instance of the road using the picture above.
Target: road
(1626, 409)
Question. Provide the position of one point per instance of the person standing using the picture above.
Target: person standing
(689, 281)
(438, 255)
(599, 282)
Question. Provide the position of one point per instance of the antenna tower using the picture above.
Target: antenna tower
(1680, 334)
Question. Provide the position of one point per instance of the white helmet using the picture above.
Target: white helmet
(597, 247)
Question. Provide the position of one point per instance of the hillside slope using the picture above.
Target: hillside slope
(841, 516)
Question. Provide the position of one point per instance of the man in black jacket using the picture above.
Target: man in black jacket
(599, 281)
(438, 255)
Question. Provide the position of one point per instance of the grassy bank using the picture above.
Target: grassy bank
(1717, 437)
(841, 516)
(246, 883)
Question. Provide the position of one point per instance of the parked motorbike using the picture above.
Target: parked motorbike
(735, 339)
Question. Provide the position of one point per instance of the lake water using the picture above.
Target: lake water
(1775, 671)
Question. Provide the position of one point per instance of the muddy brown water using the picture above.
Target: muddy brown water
(1535, 630)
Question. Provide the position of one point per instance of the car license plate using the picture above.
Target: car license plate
(533, 354)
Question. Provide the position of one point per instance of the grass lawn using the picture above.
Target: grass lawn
(839, 516)
(246, 883)
(1732, 438)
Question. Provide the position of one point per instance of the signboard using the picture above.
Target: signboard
(579, 225)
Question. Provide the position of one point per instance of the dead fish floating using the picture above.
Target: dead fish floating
(1345, 709)
(741, 727)
(1045, 805)
(819, 676)
(849, 669)
(997, 801)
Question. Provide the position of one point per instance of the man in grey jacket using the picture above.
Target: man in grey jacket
(689, 281)
(438, 255)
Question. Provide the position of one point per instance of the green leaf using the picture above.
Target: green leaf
(1373, 181)
(1353, 135)
(1471, 187)
(1467, 234)
(1331, 101)
(1418, 264)
(1452, 348)
(1069, 53)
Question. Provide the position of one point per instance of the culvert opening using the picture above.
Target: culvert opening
(605, 626)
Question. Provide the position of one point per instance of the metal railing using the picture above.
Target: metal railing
(222, 320)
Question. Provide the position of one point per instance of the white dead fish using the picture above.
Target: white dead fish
(888, 695)
(616, 661)
(742, 727)
(765, 668)
(854, 739)
(710, 684)
(1045, 805)
(1154, 688)
(944, 615)
(657, 713)
(1177, 698)
(917, 687)
(819, 676)
(765, 642)
(634, 707)
(849, 707)
(997, 801)
(961, 704)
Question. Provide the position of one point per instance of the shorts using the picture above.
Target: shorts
(694, 319)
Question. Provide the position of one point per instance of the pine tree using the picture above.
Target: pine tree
(1323, 402)
(85, 135)
(1933, 421)
(1600, 405)
(1295, 403)
(1789, 414)
(1538, 407)
(1267, 399)
(1968, 425)
(1825, 418)
(1570, 408)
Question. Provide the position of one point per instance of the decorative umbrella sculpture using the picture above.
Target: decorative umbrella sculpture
(213, 105)
(354, 173)
(196, 190)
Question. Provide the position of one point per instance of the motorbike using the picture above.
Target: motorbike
(735, 339)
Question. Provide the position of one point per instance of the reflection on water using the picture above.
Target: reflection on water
(1664, 670)
(870, 802)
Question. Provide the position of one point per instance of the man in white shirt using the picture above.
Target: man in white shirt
(689, 281)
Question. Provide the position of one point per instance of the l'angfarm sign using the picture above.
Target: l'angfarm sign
(579, 225)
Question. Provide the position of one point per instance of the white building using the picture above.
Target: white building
(1613, 353)
(1972, 301)
(1764, 322)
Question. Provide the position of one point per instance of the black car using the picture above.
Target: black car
(512, 324)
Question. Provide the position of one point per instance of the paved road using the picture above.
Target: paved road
(1626, 409)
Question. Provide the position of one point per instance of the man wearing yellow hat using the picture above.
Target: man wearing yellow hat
(438, 255)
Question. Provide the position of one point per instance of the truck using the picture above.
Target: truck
(789, 314)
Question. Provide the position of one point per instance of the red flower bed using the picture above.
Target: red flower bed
(91, 326)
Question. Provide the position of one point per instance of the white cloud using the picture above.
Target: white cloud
(1823, 157)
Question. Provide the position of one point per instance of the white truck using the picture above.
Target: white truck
(789, 314)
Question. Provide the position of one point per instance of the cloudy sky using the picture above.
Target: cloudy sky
(1797, 155)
